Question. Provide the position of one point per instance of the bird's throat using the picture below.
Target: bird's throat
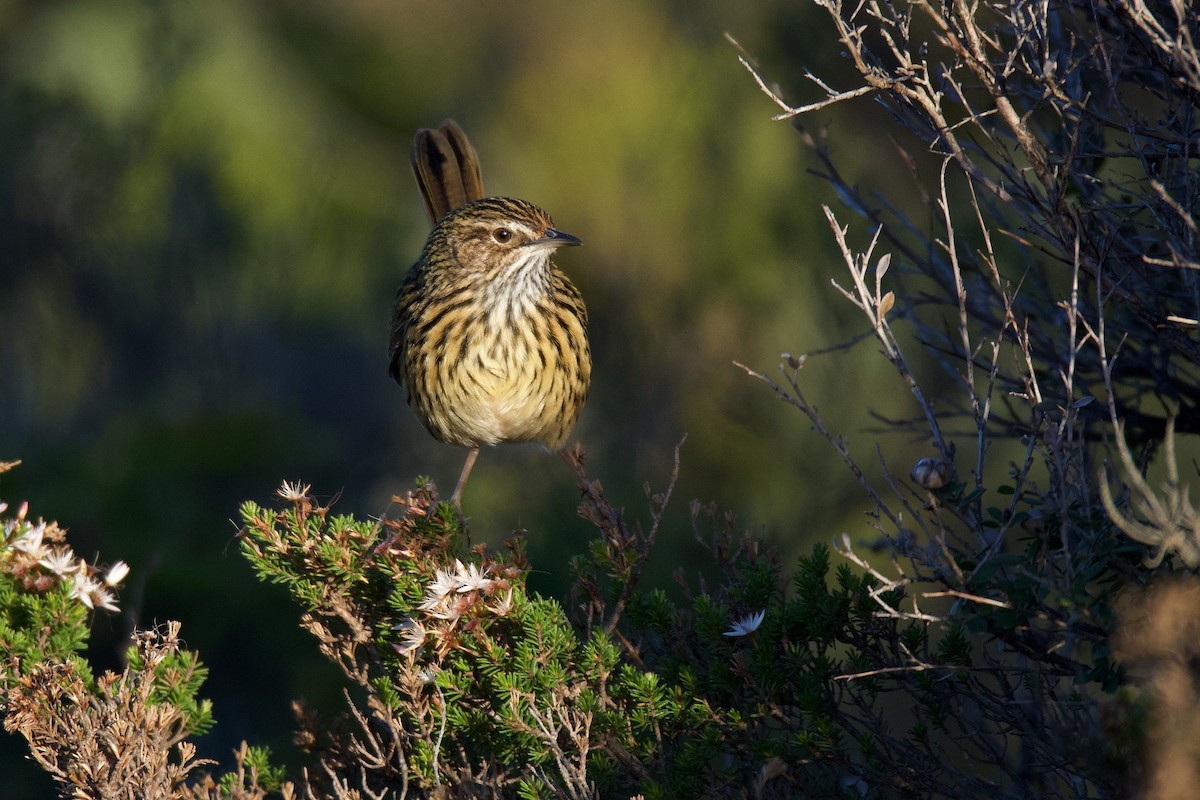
(516, 290)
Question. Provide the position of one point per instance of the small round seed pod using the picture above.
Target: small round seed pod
(932, 473)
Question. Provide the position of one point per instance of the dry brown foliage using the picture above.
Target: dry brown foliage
(115, 742)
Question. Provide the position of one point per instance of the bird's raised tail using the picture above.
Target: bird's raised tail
(446, 167)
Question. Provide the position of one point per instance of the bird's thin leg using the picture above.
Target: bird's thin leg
(456, 498)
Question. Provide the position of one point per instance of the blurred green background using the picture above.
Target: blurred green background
(206, 211)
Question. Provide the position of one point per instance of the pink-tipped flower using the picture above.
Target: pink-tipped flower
(414, 635)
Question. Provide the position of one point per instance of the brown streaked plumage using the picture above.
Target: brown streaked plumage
(489, 338)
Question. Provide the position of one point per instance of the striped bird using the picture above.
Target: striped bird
(489, 337)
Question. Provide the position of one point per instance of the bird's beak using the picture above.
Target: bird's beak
(555, 239)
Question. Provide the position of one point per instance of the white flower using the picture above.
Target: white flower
(116, 573)
(747, 624)
(450, 611)
(444, 584)
(31, 541)
(84, 586)
(428, 675)
(60, 561)
(293, 492)
(470, 579)
(414, 635)
(103, 598)
(503, 605)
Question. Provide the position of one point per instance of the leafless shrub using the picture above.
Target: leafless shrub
(1062, 268)
(1069, 131)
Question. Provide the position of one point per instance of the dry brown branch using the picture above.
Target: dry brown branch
(114, 743)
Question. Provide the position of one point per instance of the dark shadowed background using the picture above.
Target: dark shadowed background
(206, 208)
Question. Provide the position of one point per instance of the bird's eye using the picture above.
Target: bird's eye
(502, 235)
